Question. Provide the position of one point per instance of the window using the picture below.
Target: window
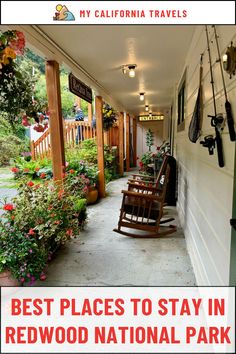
(181, 104)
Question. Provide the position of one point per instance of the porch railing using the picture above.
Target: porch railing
(74, 133)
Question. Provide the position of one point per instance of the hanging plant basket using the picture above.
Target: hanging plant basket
(109, 116)
(17, 85)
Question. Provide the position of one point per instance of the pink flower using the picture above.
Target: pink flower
(22, 280)
(30, 251)
(43, 277)
(31, 232)
(43, 175)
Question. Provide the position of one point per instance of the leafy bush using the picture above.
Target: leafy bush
(10, 147)
(40, 218)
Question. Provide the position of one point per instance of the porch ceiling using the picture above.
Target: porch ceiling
(158, 51)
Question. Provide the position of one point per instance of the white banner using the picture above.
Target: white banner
(118, 320)
(118, 12)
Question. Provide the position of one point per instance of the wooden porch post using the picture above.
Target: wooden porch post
(78, 102)
(100, 146)
(90, 113)
(121, 143)
(135, 141)
(56, 120)
(127, 149)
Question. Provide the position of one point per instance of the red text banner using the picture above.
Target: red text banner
(118, 320)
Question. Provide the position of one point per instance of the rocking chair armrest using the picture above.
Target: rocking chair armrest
(143, 176)
(147, 188)
(140, 182)
(141, 195)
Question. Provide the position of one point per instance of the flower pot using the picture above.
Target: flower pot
(92, 195)
(6, 279)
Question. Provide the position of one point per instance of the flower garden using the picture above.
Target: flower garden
(46, 213)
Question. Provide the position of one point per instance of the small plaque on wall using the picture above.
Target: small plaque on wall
(80, 89)
(148, 118)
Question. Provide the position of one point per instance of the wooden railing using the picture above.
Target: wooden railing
(74, 133)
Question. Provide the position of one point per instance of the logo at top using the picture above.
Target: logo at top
(63, 14)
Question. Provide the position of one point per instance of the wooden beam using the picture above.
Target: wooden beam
(100, 146)
(135, 141)
(127, 147)
(121, 143)
(90, 113)
(56, 120)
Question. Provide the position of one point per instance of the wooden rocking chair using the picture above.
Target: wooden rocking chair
(142, 208)
(149, 180)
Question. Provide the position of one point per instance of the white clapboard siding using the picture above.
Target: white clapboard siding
(205, 191)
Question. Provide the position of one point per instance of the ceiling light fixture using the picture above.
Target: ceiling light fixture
(141, 96)
(146, 107)
(132, 70)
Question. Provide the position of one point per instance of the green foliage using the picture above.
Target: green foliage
(82, 159)
(40, 218)
(67, 98)
(17, 90)
(11, 147)
(149, 139)
(36, 59)
(109, 116)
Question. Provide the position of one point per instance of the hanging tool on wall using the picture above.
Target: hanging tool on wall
(230, 120)
(195, 126)
(217, 120)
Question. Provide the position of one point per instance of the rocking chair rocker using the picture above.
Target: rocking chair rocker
(142, 207)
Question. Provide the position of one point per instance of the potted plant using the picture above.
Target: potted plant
(87, 174)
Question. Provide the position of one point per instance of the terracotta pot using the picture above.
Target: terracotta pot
(92, 195)
(6, 279)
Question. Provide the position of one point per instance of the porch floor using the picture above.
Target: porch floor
(102, 257)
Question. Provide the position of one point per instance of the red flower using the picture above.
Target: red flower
(57, 222)
(8, 207)
(43, 175)
(26, 170)
(37, 169)
(158, 148)
(30, 184)
(31, 232)
(141, 164)
(69, 232)
(15, 170)
(43, 277)
(60, 193)
(71, 171)
(13, 217)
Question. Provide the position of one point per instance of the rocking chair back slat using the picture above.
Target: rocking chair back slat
(142, 207)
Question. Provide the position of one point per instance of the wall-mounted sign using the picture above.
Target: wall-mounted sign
(80, 89)
(149, 118)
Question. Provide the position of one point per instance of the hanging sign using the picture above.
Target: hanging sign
(80, 89)
(149, 118)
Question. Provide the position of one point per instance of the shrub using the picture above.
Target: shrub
(10, 147)
(40, 218)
